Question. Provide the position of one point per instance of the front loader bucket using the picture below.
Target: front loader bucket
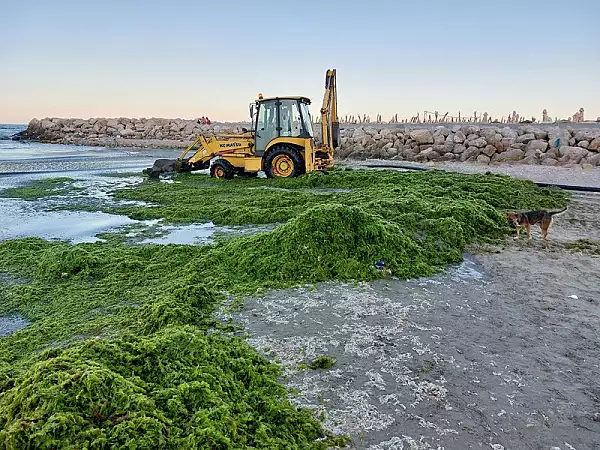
(162, 166)
(172, 165)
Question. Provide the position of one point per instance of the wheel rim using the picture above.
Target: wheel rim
(219, 172)
(283, 166)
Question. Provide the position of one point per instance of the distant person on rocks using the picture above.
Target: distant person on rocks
(208, 121)
(578, 116)
(545, 117)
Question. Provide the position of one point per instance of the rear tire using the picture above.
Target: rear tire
(284, 162)
(222, 168)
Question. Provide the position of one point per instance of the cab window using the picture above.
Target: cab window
(290, 119)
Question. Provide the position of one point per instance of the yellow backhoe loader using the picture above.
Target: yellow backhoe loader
(281, 142)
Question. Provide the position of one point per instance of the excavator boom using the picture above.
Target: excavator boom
(330, 124)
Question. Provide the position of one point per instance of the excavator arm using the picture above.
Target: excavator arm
(330, 125)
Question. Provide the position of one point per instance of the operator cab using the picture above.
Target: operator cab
(280, 117)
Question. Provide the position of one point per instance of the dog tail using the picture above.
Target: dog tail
(557, 213)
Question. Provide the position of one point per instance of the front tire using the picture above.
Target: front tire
(222, 168)
(284, 162)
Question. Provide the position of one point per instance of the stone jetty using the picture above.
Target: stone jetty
(550, 145)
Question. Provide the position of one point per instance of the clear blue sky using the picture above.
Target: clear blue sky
(187, 59)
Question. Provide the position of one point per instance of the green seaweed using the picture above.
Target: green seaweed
(119, 354)
(587, 246)
(322, 362)
(199, 198)
(177, 388)
(40, 189)
(124, 350)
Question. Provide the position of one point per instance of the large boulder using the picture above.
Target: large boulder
(558, 137)
(537, 144)
(430, 155)
(470, 129)
(594, 145)
(440, 148)
(45, 130)
(495, 139)
(127, 133)
(371, 131)
(358, 134)
(592, 158)
(441, 131)
(489, 132)
(34, 124)
(470, 154)
(422, 136)
(533, 152)
(409, 152)
(49, 125)
(512, 154)
(586, 135)
(525, 129)
(505, 143)
(508, 132)
(439, 139)
(549, 162)
(459, 137)
(367, 140)
(483, 159)
(459, 149)
(525, 138)
(478, 142)
(530, 160)
(390, 152)
(488, 150)
(551, 153)
(571, 155)
(448, 147)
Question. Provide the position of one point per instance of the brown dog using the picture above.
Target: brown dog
(528, 218)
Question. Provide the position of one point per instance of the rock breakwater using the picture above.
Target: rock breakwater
(526, 144)
(485, 144)
(121, 132)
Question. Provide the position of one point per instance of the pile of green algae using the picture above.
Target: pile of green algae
(124, 351)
